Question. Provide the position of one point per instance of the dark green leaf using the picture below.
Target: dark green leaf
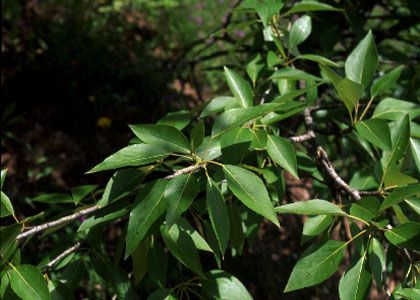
(375, 131)
(300, 31)
(6, 206)
(108, 213)
(219, 104)
(385, 82)
(355, 283)
(59, 291)
(80, 192)
(349, 92)
(406, 235)
(3, 175)
(197, 135)
(28, 283)
(250, 189)
(179, 119)
(376, 258)
(199, 242)
(310, 5)
(400, 194)
(218, 284)
(157, 264)
(162, 136)
(209, 149)
(73, 274)
(415, 150)
(283, 153)
(235, 144)
(139, 260)
(311, 207)
(165, 294)
(367, 208)
(239, 87)
(237, 236)
(8, 236)
(54, 198)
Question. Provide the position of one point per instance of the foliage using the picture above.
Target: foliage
(193, 188)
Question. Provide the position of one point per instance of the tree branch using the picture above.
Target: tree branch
(65, 253)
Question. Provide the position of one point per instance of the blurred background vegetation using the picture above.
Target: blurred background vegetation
(75, 73)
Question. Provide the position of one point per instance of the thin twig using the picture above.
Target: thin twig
(186, 170)
(65, 253)
(303, 137)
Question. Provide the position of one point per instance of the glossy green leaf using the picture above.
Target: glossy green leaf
(78, 193)
(376, 131)
(292, 73)
(218, 284)
(28, 283)
(250, 189)
(309, 5)
(316, 264)
(376, 259)
(8, 236)
(300, 31)
(259, 139)
(406, 235)
(355, 283)
(157, 264)
(311, 207)
(409, 293)
(131, 156)
(385, 82)
(315, 225)
(283, 153)
(293, 94)
(400, 194)
(179, 194)
(6, 206)
(179, 119)
(362, 62)
(329, 75)
(254, 67)
(162, 136)
(267, 9)
(209, 149)
(414, 204)
(149, 206)
(239, 87)
(319, 59)
(182, 246)
(218, 214)
(394, 109)
(415, 150)
(349, 92)
(219, 104)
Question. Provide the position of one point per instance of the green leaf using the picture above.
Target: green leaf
(218, 214)
(415, 150)
(362, 62)
(54, 198)
(209, 149)
(293, 94)
(385, 82)
(157, 264)
(315, 225)
(28, 283)
(3, 177)
(376, 259)
(400, 194)
(59, 291)
(292, 73)
(104, 215)
(235, 144)
(393, 109)
(78, 193)
(237, 236)
(6, 206)
(406, 235)
(149, 206)
(250, 189)
(131, 156)
(254, 67)
(319, 59)
(219, 104)
(309, 5)
(199, 242)
(330, 75)
(267, 9)
(179, 194)
(414, 204)
(300, 31)
(355, 283)
(73, 274)
(179, 119)
(8, 236)
(283, 153)
(376, 131)
(182, 246)
(409, 293)
(317, 263)
(218, 284)
(239, 87)
(367, 208)
(197, 135)
(165, 294)
(349, 92)
(163, 136)
(311, 207)
(139, 260)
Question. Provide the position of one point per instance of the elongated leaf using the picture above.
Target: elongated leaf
(400, 194)
(254, 67)
(157, 264)
(163, 136)
(209, 149)
(409, 293)
(355, 283)
(283, 153)
(300, 31)
(311, 207)
(199, 242)
(317, 263)
(319, 59)
(218, 214)
(235, 144)
(414, 204)
(415, 150)
(148, 207)
(78, 193)
(376, 259)
(59, 291)
(131, 156)
(393, 109)
(197, 135)
(28, 283)
(406, 235)
(3, 175)
(250, 189)
(179, 119)
(292, 73)
(316, 225)
(8, 237)
(218, 284)
(179, 194)
(6, 206)
(239, 87)
(106, 214)
(385, 82)
(349, 92)
(139, 260)
(308, 5)
(361, 64)
(181, 245)
(375, 131)
(219, 104)
(237, 236)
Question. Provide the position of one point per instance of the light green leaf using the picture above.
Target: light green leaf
(104, 215)
(329, 75)
(131, 156)
(283, 153)
(218, 284)
(28, 283)
(267, 9)
(311, 207)
(254, 67)
(385, 82)
(300, 31)
(414, 204)
(362, 62)
(376, 131)
(78, 193)
(163, 136)
(179, 119)
(292, 73)
(219, 104)
(209, 149)
(315, 225)
(3, 177)
(406, 235)
(239, 87)
(376, 259)
(250, 189)
(349, 92)
(157, 264)
(409, 293)
(355, 283)
(367, 208)
(182, 246)
(148, 207)
(394, 109)
(400, 194)
(218, 214)
(305, 6)
(316, 264)
(179, 194)
(6, 206)
(293, 94)
(415, 150)
(54, 198)
(319, 59)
